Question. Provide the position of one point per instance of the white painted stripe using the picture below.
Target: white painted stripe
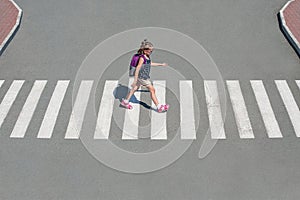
(298, 83)
(290, 104)
(265, 109)
(28, 109)
(78, 111)
(1, 82)
(131, 121)
(214, 110)
(105, 110)
(187, 116)
(240, 110)
(159, 120)
(9, 99)
(50, 117)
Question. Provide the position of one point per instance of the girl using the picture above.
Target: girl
(142, 77)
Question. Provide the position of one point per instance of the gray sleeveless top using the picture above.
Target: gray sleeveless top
(144, 72)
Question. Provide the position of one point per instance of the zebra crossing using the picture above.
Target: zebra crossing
(216, 122)
(265, 109)
(75, 124)
(158, 120)
(239, 109)
(187, 118)
(54, 105)
(28, 110)
(131, 121)
(290, 104)
(105, 111)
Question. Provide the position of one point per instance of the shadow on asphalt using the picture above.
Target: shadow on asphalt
(121, 92)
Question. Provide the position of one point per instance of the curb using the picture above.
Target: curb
(286, 30)
(13, 30)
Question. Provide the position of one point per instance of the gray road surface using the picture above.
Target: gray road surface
(245, 42)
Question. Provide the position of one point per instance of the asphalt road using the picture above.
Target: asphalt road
(245, 42)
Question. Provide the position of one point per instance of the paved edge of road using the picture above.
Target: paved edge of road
(288, 21)
(13, 30)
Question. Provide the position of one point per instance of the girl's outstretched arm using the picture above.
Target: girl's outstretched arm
(159, 64)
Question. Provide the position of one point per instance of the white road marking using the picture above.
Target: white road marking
(131, 121)
(28, 109)
(9, 99)
(265, 109)
(105, 110)
(78, 112)
(159, 120)
(187, 116)
(290, 104)
(214, 110)
(240, 110)
(52, 111)
(298, 83)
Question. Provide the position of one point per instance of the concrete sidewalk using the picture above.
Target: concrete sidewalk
(10, 16)
(289, 18)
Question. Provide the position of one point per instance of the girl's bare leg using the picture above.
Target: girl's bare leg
(152, 94)
(131, 92)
